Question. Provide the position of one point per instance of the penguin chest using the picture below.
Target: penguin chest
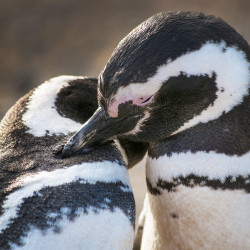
(198, 201)
(84, 206)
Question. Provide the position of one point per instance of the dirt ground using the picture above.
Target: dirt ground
(43, 39)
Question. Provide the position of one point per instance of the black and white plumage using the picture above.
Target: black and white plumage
(180, 81)
(46, 202)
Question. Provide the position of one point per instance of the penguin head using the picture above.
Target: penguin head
(175, 70)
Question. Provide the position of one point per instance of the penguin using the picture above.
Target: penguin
(180, 81)
(46, 202)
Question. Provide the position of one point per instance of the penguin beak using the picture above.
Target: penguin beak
(98, 129)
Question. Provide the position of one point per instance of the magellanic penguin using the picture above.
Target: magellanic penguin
(180, 81)
(46, 202)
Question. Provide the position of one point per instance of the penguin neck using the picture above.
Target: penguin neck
(214, 154)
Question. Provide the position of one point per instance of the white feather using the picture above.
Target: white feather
(204, 219)
(212, 165)
(103, 230)
(41, 115)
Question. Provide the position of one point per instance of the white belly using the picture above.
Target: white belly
(197, 217)
(103, 230)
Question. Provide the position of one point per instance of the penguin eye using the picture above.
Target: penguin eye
(145, 100)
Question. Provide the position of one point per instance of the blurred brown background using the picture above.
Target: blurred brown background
(45, 38)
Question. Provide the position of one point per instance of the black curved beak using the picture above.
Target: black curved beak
(98, 129)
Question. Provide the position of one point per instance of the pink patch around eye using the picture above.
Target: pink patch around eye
(139, 101)
(113, 108)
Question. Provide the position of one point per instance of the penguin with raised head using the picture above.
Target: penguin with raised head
(180, 81)
(84, 202)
